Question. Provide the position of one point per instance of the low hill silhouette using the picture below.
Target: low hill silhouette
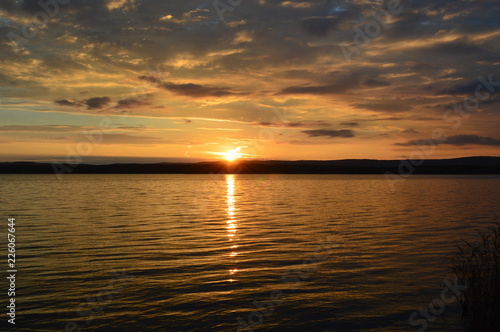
(467, 165)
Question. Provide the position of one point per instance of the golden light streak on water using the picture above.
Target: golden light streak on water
(231, 218)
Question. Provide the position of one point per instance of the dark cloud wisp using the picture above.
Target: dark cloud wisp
(189, 89)
(457, 140)
(345, 133)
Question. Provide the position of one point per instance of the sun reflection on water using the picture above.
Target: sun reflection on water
(231, 219)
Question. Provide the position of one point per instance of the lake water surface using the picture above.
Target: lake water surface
(204, 252)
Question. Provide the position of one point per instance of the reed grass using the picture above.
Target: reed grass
(478, 267)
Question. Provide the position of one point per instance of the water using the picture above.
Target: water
(194, 252)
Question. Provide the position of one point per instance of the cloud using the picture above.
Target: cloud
(319, 26)
(297, 4)
(471, 88)
(455, 48)
(323, 124)
(34, 6)
(132, 139)
(132, 103)
(196, 90)
(457, 140)
(410, 131)
(49, 128)
(337, 82)
(471, 139)
(150, 79)
(97, 102)
(385, 106)
(92, 103)
(349, 124)
(189, 89)
(281, 124)
(315, 90)
(286, 53)
(329, 133)
(375, 83)
(66, 128)
(315, 142)
(67, 102)
(296, 124)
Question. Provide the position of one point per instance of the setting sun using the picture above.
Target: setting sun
(233, 154)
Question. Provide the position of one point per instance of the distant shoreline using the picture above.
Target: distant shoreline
(467, 165)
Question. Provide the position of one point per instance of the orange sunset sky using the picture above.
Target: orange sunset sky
(144, 80)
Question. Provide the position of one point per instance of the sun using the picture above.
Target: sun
(233, 154)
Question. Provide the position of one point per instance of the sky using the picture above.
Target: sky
(151, 80)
